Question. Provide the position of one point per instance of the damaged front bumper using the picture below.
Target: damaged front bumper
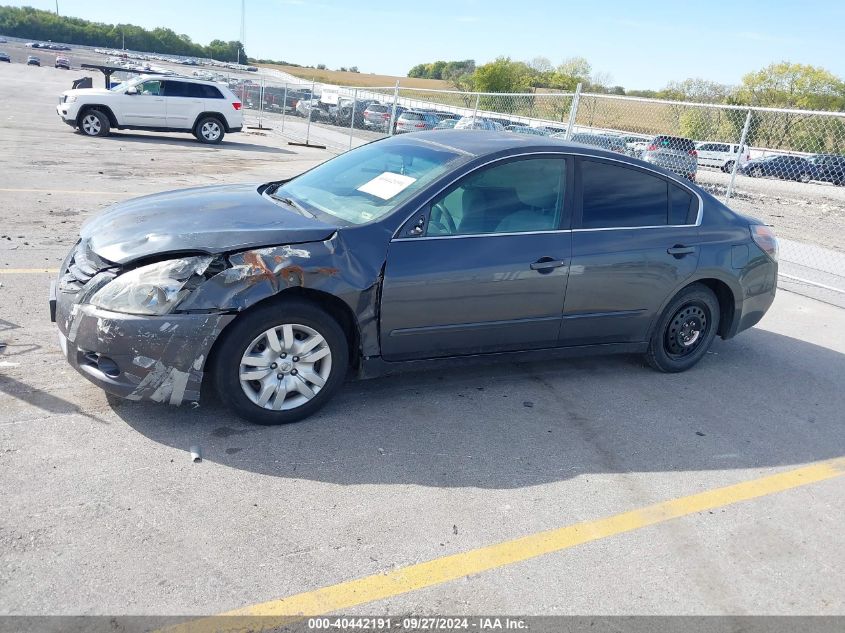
(158, 358)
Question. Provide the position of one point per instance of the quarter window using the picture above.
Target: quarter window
(514, 197)
(615, 196)
(683, 206)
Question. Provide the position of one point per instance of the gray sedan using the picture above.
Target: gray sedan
(415, 251)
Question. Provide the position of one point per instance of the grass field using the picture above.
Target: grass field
(363, 80)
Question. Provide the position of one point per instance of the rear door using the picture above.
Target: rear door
(488, 271)
(184, 103)
(635, 240)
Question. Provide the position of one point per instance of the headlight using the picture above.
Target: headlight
(70, 99)
(153, 289)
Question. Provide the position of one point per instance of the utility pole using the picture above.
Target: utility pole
(243, 35)
(57, 7)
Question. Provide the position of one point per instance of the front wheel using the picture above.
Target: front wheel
(94, 123)
(209, 130)
(805, 178)
(685, 330)
(729, 167)
(280, 362)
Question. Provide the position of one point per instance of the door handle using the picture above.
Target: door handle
(679, 250)
(546, 264)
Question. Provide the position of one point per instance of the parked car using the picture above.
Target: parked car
(4, 57)
(781, 166)
(721, 155)
(446, 124)
(416, 121)
(311, 108)
(475, 123)
(526, 129)
(829, 168)
(605, 141)
(174, 104)
(62, 62)
(553, 129)
(377, 115)
(414, 251)
(675, 153)
(32, 60)
(342, 114)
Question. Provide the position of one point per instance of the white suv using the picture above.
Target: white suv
(151, 102)
(721, 155)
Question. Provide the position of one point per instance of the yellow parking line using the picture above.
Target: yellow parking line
(441, 570)
(27, 271)
(73, 192)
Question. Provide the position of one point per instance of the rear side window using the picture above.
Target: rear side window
(615, 196)
(683, 206)
(202, 91)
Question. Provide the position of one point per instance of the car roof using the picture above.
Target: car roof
(481, 143)
(192, 80)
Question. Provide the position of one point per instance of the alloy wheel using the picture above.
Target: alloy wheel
(210, 130)
(285, 367)
(91, 125)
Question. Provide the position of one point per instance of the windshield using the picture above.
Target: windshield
(369, 182)
(125, 84)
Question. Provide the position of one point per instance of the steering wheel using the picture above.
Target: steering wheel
(442, 219)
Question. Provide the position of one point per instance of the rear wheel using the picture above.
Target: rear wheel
(805, 178)
(281, 362)
(685, 331)
(209, 130)
(757, 172)
(729, 167)
(94, 123)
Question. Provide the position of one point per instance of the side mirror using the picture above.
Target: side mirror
(131, 90)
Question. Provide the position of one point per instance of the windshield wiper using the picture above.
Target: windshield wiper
(293, 203)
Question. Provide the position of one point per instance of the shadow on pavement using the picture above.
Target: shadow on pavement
(762, 400)
(189, 141)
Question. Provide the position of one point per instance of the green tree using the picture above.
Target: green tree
(502, 75)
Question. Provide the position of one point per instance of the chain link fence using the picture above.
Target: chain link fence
(786, 167)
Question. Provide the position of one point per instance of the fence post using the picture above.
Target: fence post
(284, 106)
(393, 109)
(475, 111)
(310, 113)
(573, 111)
(742, 139)
(352, 117)
(261, 103)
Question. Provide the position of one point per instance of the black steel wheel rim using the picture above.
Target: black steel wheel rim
(686, 330)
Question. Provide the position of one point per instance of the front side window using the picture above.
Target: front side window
(514, 197)
(150, 88)
(367, 183)
(618, 197)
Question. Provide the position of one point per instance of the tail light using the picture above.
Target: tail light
(692, 152)
(419, 125)
(385, 116)
(651, 148)
(764, 237)
(236, 105)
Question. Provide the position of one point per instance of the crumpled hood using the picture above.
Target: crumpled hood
(210, 220)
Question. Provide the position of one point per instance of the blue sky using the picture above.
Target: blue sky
(639, 44)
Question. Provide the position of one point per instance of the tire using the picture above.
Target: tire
(756, 173)
(729, 166)
(805, 178)
(209, 130)
(94, 123)
(256, 397)
(685, 330)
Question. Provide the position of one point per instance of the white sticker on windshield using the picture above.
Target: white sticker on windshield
(387, 185)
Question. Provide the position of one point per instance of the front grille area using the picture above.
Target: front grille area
(80, 267)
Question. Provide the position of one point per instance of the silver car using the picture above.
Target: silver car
(475, 123)
(675, 153)
(416, 121)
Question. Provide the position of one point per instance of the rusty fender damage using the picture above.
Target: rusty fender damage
(326, 267)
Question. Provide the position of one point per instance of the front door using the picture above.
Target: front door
(483, 268)
(634, 241)
(147, 108)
